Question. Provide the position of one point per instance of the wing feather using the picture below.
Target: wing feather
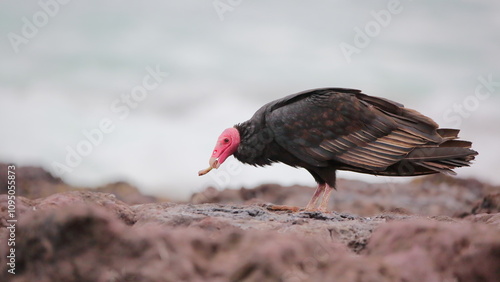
(347, 127)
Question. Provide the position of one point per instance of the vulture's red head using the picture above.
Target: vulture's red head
(226, 145)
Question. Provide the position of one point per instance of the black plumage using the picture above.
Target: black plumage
(329, 129)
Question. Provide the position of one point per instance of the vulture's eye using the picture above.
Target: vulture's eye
(226, 140)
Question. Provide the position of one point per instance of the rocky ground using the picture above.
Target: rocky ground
(432, 229)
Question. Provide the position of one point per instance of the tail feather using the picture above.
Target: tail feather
(456, 163)
(440, 150)
(444, 157)
(440, 153)
(436, 167)
(448, 133)
(456, 143)
(433, 158)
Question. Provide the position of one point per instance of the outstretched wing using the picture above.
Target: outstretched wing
(347, 126)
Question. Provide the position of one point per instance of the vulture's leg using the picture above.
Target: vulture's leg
(314, 200)
(326, 197)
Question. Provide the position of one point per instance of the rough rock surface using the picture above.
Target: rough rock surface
(35, 182)
(434, 195)
(94, 236)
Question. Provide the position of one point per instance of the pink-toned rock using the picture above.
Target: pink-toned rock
(21, 206)
(89, 243)
(431, 229)
(434, 195)
(35, 182)
(107, 201)
(128, 194)
(489, 204)
(490, 219)
(78, 236)
(455, 251)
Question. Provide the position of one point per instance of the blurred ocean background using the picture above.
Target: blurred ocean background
(224, 60)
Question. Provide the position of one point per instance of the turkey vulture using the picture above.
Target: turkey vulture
(329, 129)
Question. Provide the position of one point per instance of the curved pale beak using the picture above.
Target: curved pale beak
(214, 163)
